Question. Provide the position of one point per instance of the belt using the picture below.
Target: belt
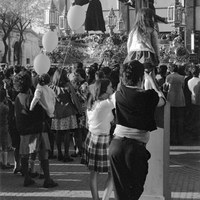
(136, 141)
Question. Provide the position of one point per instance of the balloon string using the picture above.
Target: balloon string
(67, 50)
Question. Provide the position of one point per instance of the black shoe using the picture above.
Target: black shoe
(49, 184)
(41, 176)
(74, 155)
(16, 171)
(33, 174)
(28, 182)
(60, 157)
(52, 157)
(8, 166)
(83, 161)
(68, 159)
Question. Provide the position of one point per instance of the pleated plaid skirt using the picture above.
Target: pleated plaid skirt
(96, 152)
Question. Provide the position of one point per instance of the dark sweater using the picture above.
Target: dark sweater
(28, 122)
(135, 108)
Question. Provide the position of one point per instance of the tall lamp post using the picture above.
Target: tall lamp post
(63, 24)
(51, 16)
(120, 24)
(112, 21)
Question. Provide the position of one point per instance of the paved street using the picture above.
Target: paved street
(73, 179)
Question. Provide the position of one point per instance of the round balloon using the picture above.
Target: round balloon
(76, 17)
(41, 64)
(50, 40)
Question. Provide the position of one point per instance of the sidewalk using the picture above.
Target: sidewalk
(73, 179)
(184, 172)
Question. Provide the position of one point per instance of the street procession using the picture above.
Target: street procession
(100, 99)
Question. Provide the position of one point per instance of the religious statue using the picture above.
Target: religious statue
(94, 16)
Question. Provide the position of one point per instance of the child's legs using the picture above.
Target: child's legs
(67, 142)
(28, 144)
(24, 165)
(59, 139)
(108, 187)
(78, 139)
(32, 161)
(94, 185)
(43, 151)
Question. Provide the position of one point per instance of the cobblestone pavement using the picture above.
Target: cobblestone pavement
(184, 172)
(73, 179)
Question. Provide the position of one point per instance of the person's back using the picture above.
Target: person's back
(194, 86)
(194, 118)
(135, 109)
(175, 93)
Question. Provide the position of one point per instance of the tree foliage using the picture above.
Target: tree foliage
(19, 15)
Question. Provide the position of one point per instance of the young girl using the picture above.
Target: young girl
(142, 42)
(66, 108)
(45, 95)
(29, 124)
(99, 114)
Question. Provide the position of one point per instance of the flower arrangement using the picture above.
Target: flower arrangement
(172, 49)
(90, 48)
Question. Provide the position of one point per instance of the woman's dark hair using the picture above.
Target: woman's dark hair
(99, 75)
(44, 79)
(132, 72)
(100, 87)
(17, 68)
(91, 75)
(78, 65)
(81, 72)
(174, 67)
(195, 71)
(60, 77)
(162, 70)
(8, 72)
(114, 77)
(94, 66)
(106, 71)
(22, 82)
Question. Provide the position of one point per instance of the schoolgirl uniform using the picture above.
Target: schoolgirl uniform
(96, 147)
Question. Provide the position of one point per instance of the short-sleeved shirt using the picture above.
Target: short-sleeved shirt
(100, 117)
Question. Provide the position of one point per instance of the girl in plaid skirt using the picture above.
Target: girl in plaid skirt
(99, 116)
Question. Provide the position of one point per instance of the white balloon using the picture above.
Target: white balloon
(50, 40)
(41, 64)
(76, 17)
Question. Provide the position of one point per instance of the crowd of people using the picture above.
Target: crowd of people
(83, 113)
(107, 111)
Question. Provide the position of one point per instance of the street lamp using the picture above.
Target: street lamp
(120, 24)
(63, 23)
(176, 15)
(112, 21)
(51, 16)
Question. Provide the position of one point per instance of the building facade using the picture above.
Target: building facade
(30, 47)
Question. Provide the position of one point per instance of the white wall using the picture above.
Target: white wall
(197, 15)
(108, 4)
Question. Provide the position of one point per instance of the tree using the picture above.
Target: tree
(8, 20)
(19, 16)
